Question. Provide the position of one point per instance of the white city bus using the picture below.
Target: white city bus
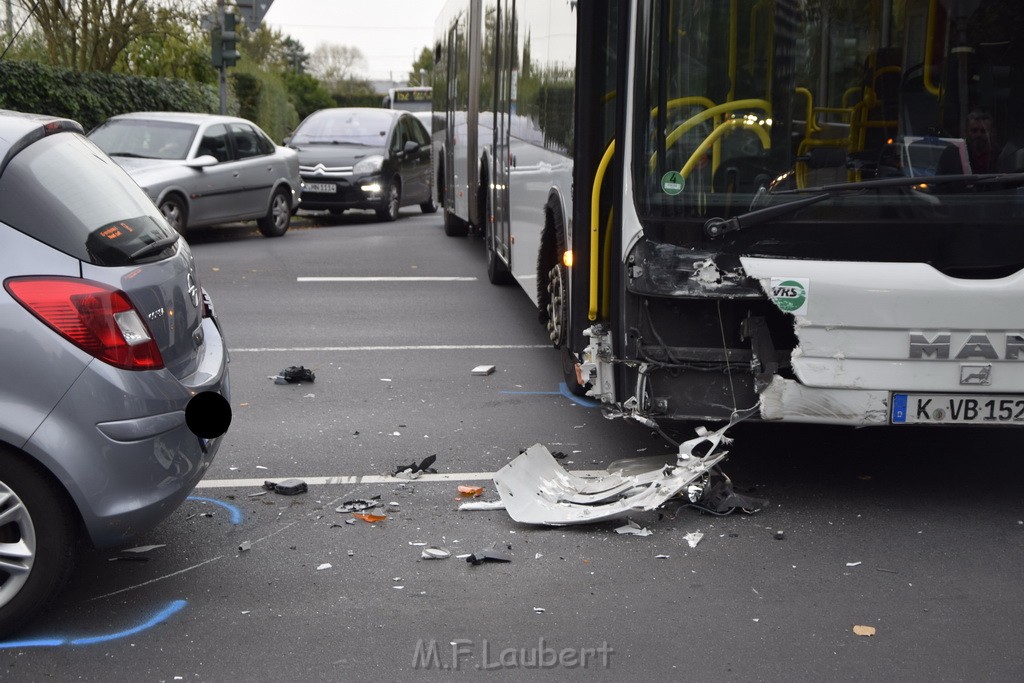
(800, 210)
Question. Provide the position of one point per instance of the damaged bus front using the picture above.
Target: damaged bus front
(818, 217)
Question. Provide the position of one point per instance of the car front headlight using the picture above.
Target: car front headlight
(371, 164)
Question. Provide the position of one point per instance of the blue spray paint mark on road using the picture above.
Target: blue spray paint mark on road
(578, 400)
(236, 514)
(563, 391)
(161, 616)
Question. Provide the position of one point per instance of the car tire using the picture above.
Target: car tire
(388, 212)
(428, 206)
(175, 213)
(278, 217)
(38, 532)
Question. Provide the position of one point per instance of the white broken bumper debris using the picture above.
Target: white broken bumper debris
(537, 490)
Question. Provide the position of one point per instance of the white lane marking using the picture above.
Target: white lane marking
(435, 347)
(348, 480)
(388, 279)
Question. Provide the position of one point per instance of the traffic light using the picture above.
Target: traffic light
(224, 43)
(229, 41)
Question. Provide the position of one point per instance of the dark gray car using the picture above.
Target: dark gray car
(361, 158)
(113, 377)
(203, 169)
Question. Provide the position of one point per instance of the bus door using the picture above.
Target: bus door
(504, 107)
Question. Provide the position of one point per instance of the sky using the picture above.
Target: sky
(390, 33)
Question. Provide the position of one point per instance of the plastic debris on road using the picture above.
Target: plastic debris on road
(413, 470)
(294, 375)
(287, 487)
(864, 630)
(372, 519)
(693, 538)
(359, 504)
(435, 553)
(471, 491)
(483, 505)
(631, 528)
(483, 370)
(488, 554)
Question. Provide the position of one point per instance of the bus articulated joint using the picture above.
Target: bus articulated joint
(597, 363)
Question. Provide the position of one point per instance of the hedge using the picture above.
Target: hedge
(92, 97)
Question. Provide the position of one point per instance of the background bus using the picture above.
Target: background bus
(802, 211)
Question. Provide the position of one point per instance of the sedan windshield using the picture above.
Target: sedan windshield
(145, 139)
(344, 127)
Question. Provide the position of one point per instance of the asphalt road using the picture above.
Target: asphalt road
(915, 533)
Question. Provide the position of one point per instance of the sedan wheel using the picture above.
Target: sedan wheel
(37, 542)
(175, 213)
(278, 218)
(392, 199)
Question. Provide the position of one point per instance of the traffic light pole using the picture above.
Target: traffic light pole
(224, 50)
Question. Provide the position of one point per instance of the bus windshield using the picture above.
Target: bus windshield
(751, 103)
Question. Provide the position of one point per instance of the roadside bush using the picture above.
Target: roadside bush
(263, 99)
(90, 98)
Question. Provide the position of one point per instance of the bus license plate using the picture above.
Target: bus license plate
(320, 188)
(957, 409)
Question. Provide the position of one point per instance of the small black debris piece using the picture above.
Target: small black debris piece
(359, 504)
(489, 554)
(721, 498)
(424, 465)
(294, 374)
(288, 487)
(559, 455)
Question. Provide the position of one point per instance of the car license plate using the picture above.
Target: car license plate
(957, 409)
(320, 188)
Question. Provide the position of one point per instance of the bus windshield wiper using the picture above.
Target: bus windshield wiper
(716, 227)
(155, 247)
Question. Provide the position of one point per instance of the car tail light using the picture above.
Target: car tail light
(98, 319)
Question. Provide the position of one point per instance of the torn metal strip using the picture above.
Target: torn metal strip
(537, 490)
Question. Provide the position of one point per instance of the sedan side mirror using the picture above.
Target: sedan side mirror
(202, 161)
(411, 147)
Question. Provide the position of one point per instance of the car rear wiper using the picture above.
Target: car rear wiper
(155, 247)
(716, 227)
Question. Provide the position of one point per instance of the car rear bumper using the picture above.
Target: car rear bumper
(126, 474)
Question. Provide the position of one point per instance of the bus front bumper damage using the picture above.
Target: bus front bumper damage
(535, 489)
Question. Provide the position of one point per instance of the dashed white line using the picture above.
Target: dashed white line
(349, 480)
(412, 278)
(428, 347)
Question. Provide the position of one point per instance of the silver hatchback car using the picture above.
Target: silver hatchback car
(204, 169)
(114, 375)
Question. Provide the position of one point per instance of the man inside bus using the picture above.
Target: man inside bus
(980, 142)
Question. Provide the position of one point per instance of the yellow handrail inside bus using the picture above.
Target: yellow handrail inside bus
(595, 229)
(718, 132)
(929, 45)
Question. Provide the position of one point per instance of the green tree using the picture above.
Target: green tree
(423, 65)
(92, 35)
(306, 93)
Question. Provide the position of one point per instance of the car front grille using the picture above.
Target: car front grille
(321, 171)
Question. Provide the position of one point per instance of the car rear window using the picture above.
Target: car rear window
(65, 192)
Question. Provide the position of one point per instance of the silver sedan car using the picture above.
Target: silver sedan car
(203, 169)
(114, 383)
